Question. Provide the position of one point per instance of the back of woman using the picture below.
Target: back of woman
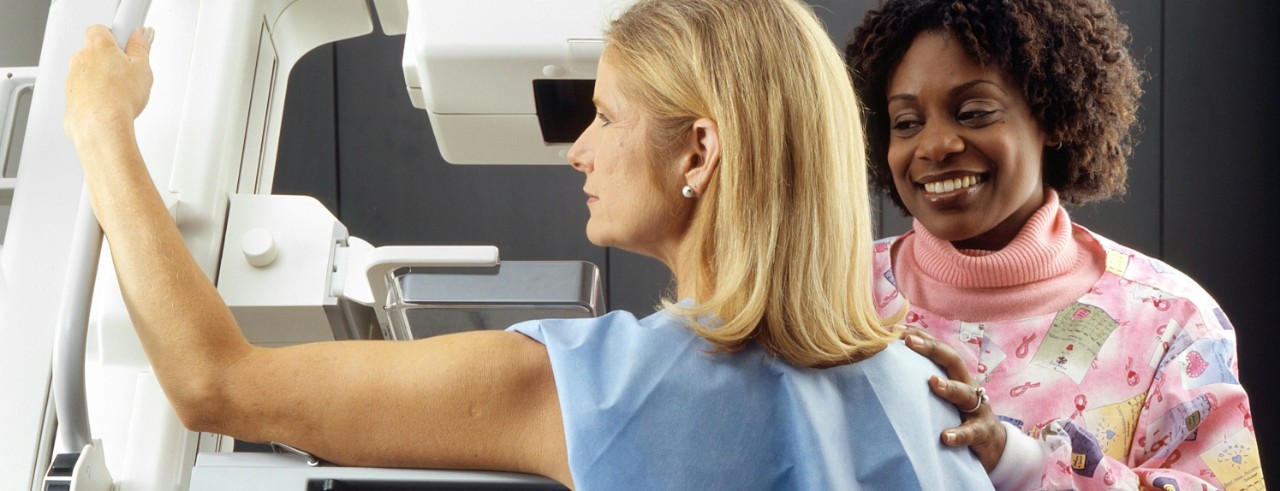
(646, 406)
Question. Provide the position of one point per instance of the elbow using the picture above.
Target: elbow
(204, 399)
(200, 405)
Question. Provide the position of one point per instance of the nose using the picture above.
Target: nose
(938, 142)
(580, 154)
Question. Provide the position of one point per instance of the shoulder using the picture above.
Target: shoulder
(898, 362)
(1145, 272)
(883, 252)
(615, 349)
(1136, 266)
(889, 302)
(614, 327)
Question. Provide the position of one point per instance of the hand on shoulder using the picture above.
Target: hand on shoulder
(981, 430)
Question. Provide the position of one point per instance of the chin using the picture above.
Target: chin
(949, 231)
(598, 243)
(598, 238)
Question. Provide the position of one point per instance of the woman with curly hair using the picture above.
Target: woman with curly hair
(1077, 362)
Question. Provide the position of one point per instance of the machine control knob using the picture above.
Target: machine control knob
(553, 71)
(259, 247)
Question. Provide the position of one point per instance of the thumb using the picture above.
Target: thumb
(139, 46)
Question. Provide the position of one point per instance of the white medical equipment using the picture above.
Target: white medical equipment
(516, 68)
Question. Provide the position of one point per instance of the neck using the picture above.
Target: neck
(1046, 267)
(1004, 232)
(684, 267)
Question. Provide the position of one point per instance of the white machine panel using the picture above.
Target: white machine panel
(473, 70)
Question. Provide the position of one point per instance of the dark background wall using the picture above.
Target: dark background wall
(1200, 189)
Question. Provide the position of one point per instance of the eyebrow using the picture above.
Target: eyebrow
(600, 106)
(953, 92)
(966, 86)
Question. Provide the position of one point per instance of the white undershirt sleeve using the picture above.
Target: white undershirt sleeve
(1022, 464)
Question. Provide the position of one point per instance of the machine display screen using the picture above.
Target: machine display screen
(564, 108)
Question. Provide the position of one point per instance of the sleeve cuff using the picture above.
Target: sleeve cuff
(1022, 464)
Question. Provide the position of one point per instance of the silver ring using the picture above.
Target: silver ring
(981, 393)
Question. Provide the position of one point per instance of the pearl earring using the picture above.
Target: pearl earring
(687, 191)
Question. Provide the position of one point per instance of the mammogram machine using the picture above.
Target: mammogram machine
(81, 410)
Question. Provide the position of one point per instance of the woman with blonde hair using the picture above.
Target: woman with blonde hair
(721, 148)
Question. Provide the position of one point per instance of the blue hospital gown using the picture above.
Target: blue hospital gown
(646, 406)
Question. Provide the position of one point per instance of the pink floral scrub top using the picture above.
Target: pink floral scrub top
(1135, 382)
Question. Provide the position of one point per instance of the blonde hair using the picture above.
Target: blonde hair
(783, 231)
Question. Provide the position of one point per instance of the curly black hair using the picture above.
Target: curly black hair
(1070, 57)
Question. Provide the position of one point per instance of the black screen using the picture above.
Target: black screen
(564, 108)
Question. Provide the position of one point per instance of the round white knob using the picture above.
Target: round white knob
(553, 71)
(259, 247)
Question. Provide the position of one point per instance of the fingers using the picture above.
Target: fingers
(940, 354)
(99, 35)
(105, 84)
(981, 430)
(139, 46)
(960, 394)
(969, 433)
(985, 436)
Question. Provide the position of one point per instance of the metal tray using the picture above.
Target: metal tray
(424, 302)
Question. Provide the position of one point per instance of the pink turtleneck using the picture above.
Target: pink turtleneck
(1049, 265)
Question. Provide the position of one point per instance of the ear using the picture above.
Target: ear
(1051, 141)
(704, 155)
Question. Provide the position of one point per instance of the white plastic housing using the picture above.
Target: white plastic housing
(473, 71)
(282, 301)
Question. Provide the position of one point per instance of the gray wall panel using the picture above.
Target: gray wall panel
(22, 31)
(638, 282)
(1220, 218)
(840, 16)
(307, 160)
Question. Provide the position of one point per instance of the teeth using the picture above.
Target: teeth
(950, 185)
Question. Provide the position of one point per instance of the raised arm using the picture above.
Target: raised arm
(483, 400)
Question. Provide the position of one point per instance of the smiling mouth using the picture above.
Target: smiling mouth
(953, 184)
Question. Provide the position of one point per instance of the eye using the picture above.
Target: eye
(977, 116)
(906, 126)
(604, 120)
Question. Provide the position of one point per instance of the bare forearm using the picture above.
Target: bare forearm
(185, 328)
(478, 400)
